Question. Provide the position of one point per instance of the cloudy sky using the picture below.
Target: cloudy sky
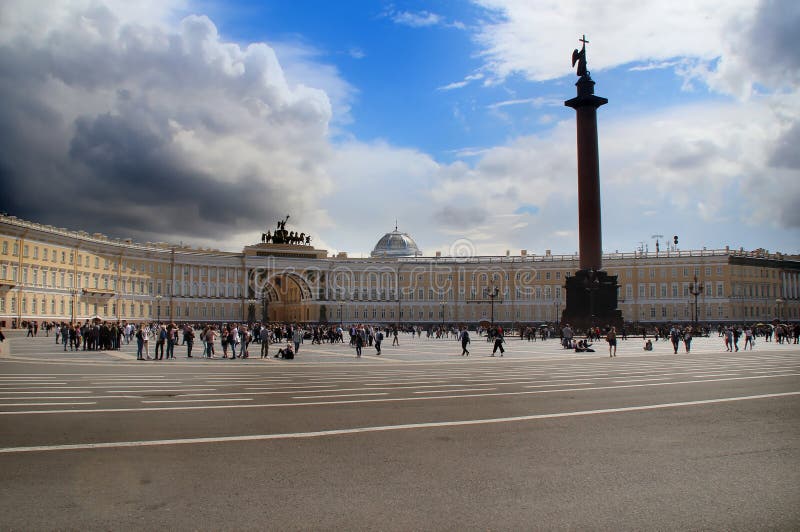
(206, 121)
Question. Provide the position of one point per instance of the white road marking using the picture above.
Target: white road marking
(559, 384)
(457, 390)
(195, 400)
(387, 400)
(16, 384)
(339, 395)
(47, 404)
(383, 428)
(164, 390)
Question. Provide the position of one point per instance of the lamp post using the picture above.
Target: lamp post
(492, 296)
(443, 303)
(251, 310)
(158, 308)
(341, 315)
(695, 289)
(74, 294)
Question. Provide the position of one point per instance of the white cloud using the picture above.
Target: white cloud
(416, 20)
(536, 39)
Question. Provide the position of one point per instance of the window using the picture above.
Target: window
(720, 290)
(15, 251)
(5, 248)
(642, 291)
(25, 249)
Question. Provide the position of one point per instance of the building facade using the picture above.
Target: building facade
(53, 274)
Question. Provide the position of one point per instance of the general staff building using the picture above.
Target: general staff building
(54, 274)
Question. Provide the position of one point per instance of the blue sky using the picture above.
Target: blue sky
(445, 115)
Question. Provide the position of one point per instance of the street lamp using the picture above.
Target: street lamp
(74, 294)
(492, 295)
(251, 310)
(264, 307)
(695, 289)
(341, 315)
(158, 311)
(443, 303)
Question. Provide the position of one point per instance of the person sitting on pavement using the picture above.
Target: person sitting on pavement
(648, 345)
(583, 347)
(286, 353)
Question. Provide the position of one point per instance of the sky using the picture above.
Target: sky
(205, 122)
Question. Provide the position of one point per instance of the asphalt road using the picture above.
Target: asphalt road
(419, 438)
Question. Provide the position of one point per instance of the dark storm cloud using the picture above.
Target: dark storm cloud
(771, 48)
(133, 131)
(787, 150)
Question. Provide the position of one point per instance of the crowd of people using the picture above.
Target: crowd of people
(234, 340)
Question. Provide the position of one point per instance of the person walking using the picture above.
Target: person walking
(378, 340)
(611, 338)
(359, 341)
(139, 345)
(189, 341)
(498, 343)
(161, 339)
(211, 335)
(675, 337)
(464, 342)
(395, 341)
(264, 336)
(297, 338)
(687, 338)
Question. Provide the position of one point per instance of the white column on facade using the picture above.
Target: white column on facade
(191, 279)
(216, 294)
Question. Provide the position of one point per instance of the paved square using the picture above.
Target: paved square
(419, 437)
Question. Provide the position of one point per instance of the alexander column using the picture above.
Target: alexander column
(591, 292)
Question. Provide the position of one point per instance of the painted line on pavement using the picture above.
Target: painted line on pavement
(195, 400)
(382, 400)
(456, 390)
(47, 404)
(384, 428)
(338, 395)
